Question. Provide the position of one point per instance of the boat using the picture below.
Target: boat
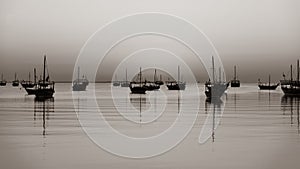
(291, 87)
(2, 82)
(125, 83)
(29, 83)
(80, 84)
(235, 82)
(158, 82)
(15, 83)
(152, 85)
(267, 86)
(116, 83)
(215, 89)
(137, 87)
(44, 88)
(176, 85)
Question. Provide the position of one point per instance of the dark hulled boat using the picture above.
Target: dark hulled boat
(291, 87)
(80, 84)
(267, 86)
(29, 83)
(137, 87)
(2, 82)
(15, 83)
(176, 85)
(44, 88)
(215, 89)
(151, 86)
(235, 82)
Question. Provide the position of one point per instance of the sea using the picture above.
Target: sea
(246, 129)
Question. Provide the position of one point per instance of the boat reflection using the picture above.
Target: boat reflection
(140, 104)
(214, 116)
(290, 105)
(42, 108)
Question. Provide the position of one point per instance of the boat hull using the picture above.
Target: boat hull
(291, 91)
(268, 87)
(138, 90)
(176, 86)
(235, 83)
(215, 90)
(15, 83)
(79, 87)
(2, 83)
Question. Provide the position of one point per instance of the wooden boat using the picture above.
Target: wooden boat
(2, 82)
(29, 83)
(137, 87)
(15, 83)
(267, 86)
(235, 82)
(80, 84)
(215, 89)
(44, 88)
(151, 86)
(176, 85)
(291, 87)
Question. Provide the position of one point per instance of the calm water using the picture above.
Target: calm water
(258, 129)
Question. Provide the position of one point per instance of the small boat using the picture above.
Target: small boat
(291, 87)
(44, 88)
(116, 83)
(15, 83)
(151, 86)
(80, 84)
(137, 87)
(2, 82)
(29, 83)
(235, 82)
(215, 89)
(267, 86)
(125, 83)
(158, 82)
(176, 85)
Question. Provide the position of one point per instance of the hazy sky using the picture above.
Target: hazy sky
(259, 36)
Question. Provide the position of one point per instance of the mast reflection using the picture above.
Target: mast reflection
(291, 104)
(216, 104)
(42, 108)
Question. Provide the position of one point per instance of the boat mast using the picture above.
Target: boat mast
(178, 74)
(44, 72)
(78, 74)
(154, 79)
(140, 77)
(269, 80)
(291, 72)
(126, 75)
(234, 73)
(2, 77)
(34, 72)
(220, 74)
(15, 76)
(297, 70)
(213, 68)
(29, 78)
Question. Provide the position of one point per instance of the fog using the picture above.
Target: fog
(261, 37)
